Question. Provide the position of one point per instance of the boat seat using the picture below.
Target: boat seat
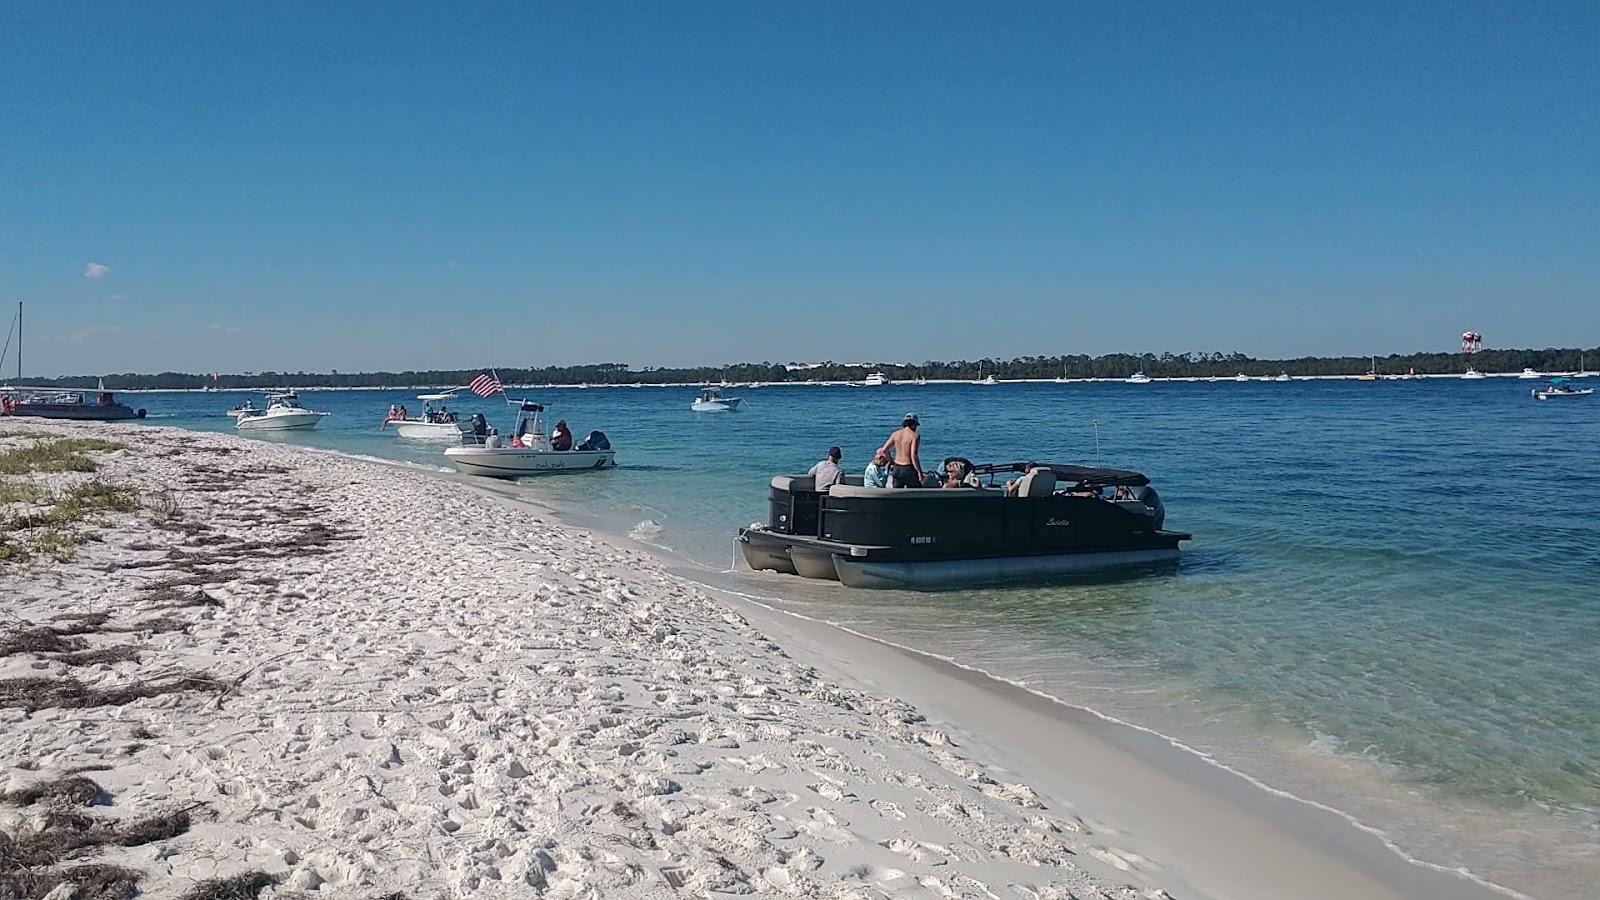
(1039, 482)
(795, 483)
(1137, 507)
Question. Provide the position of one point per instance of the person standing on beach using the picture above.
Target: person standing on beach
(904, 448)
(828, 472)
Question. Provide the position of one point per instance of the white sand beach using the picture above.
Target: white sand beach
(355, 680)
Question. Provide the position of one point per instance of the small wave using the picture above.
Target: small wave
(646, 530)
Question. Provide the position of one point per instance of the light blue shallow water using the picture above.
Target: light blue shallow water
(1391, 603)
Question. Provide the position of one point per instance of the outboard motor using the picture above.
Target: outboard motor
(480, 425)
(1148, 496)
(596, 440)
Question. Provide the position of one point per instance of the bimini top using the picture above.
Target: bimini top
(1083, 476)
(529, 406)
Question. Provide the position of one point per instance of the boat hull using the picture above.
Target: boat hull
(78, 413)
(510, 462)
(293, 422)
(714, 406)
(825, 561)
(426, 431)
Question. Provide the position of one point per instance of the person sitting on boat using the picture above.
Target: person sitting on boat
(877, 474)
(955, 475)
(904, 449)
(394, 412)
(828, 472)
(561, 437)
(492, 440)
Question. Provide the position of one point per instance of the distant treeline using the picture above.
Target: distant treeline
(1116, 365)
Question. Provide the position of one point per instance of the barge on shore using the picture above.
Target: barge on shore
(1056, 520)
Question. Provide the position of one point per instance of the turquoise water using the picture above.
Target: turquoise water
(1390, 604)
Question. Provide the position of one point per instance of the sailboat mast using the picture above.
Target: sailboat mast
(19, 342)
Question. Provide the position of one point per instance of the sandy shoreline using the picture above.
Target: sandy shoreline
(422, 689)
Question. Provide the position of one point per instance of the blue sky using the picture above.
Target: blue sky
(292, 187)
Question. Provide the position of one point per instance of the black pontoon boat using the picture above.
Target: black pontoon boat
(1057, 520)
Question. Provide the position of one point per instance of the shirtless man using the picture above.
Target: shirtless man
(903, 447)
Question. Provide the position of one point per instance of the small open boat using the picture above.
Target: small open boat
(1559, 389)
(528, 452)
(435, 423)
(711, 400)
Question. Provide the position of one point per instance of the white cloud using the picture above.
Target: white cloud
(95, 271)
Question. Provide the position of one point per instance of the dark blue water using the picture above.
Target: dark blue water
(1390, 605)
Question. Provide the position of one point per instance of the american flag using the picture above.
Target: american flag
(486, 385)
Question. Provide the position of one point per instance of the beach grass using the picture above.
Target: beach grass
(63, 455)
(20, 492)
(54, 533)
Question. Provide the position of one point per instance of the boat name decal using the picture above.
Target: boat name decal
(1057, 523)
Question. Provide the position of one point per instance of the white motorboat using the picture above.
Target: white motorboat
(1139, 378)
(1283, 376)
(283, 413)
(435, 424)
(711, 400)
(528, 452)
(1241, 377)
(875, 379)
(1530, 375)
(1473, 375)
(1559, 389)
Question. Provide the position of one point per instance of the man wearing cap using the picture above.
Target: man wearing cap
(904, 448)
(828, 472)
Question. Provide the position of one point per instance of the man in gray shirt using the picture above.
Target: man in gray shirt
(828, 473)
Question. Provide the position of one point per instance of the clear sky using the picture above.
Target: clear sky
(294, 186)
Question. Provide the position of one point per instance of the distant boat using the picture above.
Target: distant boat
(875, 379)
(1283, 376)
(711, 400)
(982, 379)
(1241, 377)
(1559, 389)
(1529, 375)
(1372, 373)
(1473, 374)
(283, 413)
(1139, 378)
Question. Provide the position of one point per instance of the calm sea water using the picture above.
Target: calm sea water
(1390, 606)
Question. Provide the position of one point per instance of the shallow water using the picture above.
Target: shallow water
(1390, 604)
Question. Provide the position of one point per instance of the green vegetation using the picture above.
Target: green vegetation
(20, 492)
(53, 533)
(1115, 365)
(61, 455)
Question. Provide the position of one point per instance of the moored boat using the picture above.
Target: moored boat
(1139, 378)
(53, 403)
(529, 451)
(875, 379)
(435, 423)
(283, 413)
(1054, 521)
(711, 400)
